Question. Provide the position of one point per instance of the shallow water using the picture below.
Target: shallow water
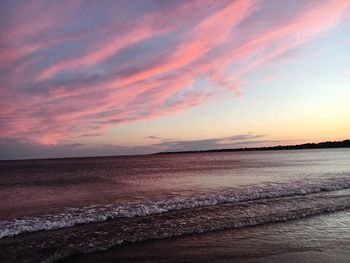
(319, 239)
(58, 207)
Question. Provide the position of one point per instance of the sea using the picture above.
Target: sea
(255, 206)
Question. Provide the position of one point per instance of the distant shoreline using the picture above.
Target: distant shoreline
(320, 145)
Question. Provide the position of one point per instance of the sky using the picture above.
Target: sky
(87, 78)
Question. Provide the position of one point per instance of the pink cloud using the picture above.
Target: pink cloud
(18, 38)
(209, 33)
(156, 62)
(271, 77)
(104, 50)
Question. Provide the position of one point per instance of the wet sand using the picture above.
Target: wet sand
(324, 238)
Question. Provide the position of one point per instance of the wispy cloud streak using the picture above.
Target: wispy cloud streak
(77, 68)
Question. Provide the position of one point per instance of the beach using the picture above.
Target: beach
(323, 238)
(250, 206)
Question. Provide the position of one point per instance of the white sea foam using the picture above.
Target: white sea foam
(75, 216)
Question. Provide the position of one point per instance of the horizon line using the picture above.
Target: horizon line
(319, 145)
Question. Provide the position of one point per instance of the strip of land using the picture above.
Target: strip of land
(320, 145)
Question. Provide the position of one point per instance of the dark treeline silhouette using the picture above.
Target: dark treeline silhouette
(320, 145)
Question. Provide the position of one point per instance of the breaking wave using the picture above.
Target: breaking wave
(76, 216)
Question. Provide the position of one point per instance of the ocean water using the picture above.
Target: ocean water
(52, 209)
(317, 239)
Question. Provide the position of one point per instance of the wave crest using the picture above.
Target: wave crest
(91, 214)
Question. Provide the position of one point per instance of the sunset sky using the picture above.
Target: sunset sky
(84, 78)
